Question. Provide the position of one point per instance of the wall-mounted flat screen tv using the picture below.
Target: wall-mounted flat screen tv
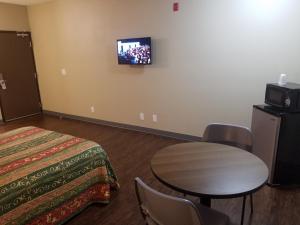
(134, 51)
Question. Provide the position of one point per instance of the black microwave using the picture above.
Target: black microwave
(285, 97)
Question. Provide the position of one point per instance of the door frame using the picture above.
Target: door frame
(37, 80)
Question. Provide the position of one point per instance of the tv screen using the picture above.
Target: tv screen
(134, 51)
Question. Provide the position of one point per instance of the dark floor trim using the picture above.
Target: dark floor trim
(184, 137)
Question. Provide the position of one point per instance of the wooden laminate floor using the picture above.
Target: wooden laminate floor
(130, 153)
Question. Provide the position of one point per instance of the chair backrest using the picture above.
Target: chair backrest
(229, 134)
(161, 209)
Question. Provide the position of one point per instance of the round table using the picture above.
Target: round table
(209, 170)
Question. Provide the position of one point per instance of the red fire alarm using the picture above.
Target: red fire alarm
(175, 6)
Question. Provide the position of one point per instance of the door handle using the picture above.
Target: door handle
(2, 82)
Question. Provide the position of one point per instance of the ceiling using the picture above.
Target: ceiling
(24, 2)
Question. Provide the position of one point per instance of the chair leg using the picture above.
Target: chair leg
(251, 202)
(243, 210)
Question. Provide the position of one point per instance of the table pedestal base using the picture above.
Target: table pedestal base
(205, 201)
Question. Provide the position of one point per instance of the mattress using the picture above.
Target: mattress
(46, 177)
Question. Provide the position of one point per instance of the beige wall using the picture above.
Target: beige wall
(13, 18)
(212, 59)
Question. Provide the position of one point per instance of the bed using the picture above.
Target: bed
(47, 177)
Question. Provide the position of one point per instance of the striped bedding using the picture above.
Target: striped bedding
(46, 177)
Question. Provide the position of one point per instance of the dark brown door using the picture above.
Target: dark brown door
(19, 93)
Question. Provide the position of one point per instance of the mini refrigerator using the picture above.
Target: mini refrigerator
(276, 140)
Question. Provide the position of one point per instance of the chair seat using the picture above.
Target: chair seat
(161, 209)
(212, 217)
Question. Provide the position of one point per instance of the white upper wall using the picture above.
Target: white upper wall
(212, 59)
(13, 18)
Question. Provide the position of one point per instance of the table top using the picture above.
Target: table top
(209, 170)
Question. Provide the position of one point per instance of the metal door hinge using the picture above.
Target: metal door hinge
(40, 104)
(35, 75)
(30, 44)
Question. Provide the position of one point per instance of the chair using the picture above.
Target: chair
(161, 209)
(232, 135)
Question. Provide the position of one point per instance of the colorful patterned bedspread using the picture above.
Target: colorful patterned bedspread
(46, 177)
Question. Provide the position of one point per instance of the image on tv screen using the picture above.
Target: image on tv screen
(134, 51)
